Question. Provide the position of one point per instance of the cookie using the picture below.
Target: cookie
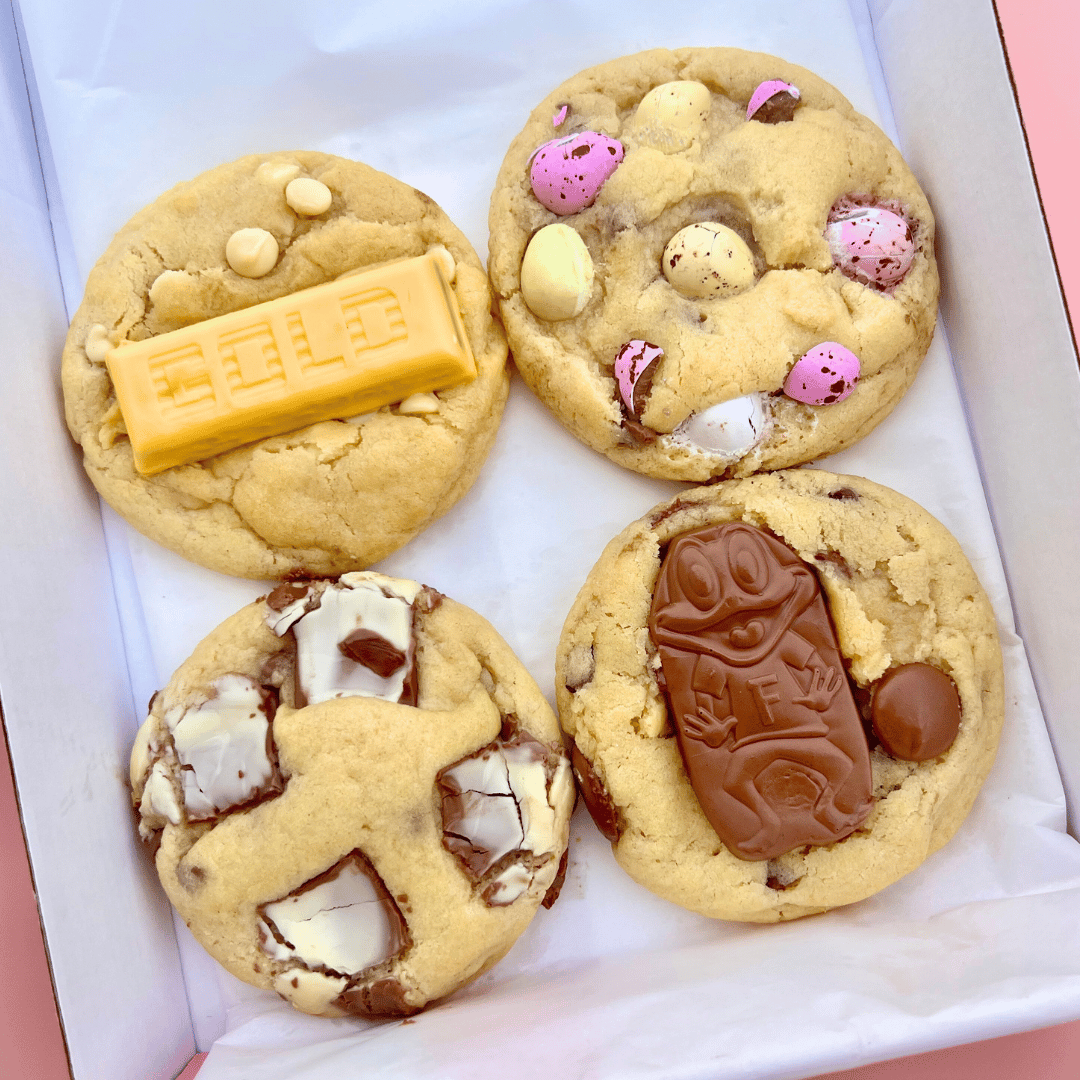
(324, 497)
(784, 693)
(708, 264)
(357, 794)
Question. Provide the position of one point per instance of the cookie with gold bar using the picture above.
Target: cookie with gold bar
(784, 692)
(709, 264)
(287, 364)
(358, 796)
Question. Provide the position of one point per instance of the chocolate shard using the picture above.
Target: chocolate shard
(380, 1000)
(768, 729)
(555, 888)
(597, 801)
(371, 649)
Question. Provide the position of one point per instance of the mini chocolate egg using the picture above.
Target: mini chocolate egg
(823, 376)
(635, 369)
(556, 273)
(730, 428)
(708, 261)
(870, 244)
(671, 116)
(773, 102)
(567, 174)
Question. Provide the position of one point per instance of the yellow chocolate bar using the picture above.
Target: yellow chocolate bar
(332, 351)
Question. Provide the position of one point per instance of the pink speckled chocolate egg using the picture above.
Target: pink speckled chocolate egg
(826, 374)
(773, 102)
(870, 244)
(567, 174)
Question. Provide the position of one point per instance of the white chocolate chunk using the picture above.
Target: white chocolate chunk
(159, 803)
(251, 253)
(97, 344)
(528, 781)
(357, 602)
(671, 116)
(222, 744)
(731, 428)
(142, 752)
(277, 173)
(309, 991)
(556, 273)
(308, 196)
(508, 885)
(708, 261)
(447, 262)
(340, 924)
(419, 405)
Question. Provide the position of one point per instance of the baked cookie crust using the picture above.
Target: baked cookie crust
(772, 184)
(328, 498)
(898, 590)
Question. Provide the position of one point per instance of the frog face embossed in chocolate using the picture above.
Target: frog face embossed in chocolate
(782, 693)
(357, 796)
(772, 740)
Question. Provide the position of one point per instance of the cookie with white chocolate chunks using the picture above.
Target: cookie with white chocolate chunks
(357, 795)
(731, 215)
(783, 692)
(317, 494)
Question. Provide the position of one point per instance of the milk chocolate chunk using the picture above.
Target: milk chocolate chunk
(371, 649)
(382, 999)
(597, 801)
(498, 813)
(915, 711)
(764, 715)
(342, 921)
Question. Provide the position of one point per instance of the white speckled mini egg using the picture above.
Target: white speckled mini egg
(708, 261)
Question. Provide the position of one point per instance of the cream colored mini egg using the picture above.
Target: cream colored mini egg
(708, 261)
(672, 115)
(556, 273)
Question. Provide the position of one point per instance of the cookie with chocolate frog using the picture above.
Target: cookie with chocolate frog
(783, 693)
(222, 449)
(708, 264)
(358, 796)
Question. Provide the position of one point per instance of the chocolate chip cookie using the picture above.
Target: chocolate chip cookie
(783, 692)
(358, 796)
(709, 264)
(322, 496)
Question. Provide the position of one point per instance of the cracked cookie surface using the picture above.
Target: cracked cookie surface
(900, 595)
(692, 158)
(285, 779)
(334, 496)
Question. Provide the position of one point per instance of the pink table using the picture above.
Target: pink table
(1043, 38)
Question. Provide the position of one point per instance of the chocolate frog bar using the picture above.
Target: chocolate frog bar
(356, 795)
(709, 264)
(783, 693)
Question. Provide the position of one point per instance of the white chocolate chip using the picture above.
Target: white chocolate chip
(308, 196)
(447, 263)
(672, 115)
(97, 344)
(556, 273)
(708, 261)
(277, 173)
(252, 253)
(419, 405)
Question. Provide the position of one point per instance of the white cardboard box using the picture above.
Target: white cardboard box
(104, 106)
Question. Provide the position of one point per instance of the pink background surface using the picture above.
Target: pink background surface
(1043, 39)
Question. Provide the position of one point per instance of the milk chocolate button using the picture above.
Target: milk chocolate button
(764, 715)
(915, 712)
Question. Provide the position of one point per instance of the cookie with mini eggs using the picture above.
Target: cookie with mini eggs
(709, 264)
